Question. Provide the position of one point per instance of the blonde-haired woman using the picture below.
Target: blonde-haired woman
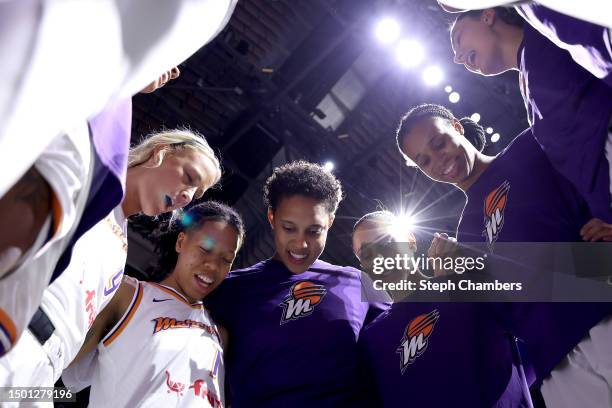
(166, 171)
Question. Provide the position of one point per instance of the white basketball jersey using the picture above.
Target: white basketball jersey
(164, 352)
(87, 285)
(65, 165)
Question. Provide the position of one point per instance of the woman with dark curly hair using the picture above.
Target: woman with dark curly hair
(294, 319)
(160, 333)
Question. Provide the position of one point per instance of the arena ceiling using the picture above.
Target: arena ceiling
(306, 79)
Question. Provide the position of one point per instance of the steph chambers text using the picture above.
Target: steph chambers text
(445, 286)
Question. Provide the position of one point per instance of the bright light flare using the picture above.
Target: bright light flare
(402, 227)
(409, 53)
(489, 130)
(433, 75)
(387, 30)
(454, 97)
(495, 138)
(475, 117)
(328, 166)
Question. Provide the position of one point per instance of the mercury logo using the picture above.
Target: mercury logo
(494, 207)
(303, 296)
(416, 337)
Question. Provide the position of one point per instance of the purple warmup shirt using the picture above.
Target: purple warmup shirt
(590, 45)
(570, 110)
(110, 133)
(438, 355)
(293, 338)
(521, 198)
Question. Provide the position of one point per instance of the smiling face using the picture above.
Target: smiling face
(182, 176)
(300, 226)
(205, 257)
(438, 148)
(477, 45)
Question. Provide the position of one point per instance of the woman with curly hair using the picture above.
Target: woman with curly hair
(293, 320)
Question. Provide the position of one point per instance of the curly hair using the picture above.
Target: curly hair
(302, 178)
(473, 132)
(191, 220)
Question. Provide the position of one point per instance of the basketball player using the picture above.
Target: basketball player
(77, 182)
(156, 343)
(165, 172)
(54, 78)
(439, 355)
(535, 204)
(568, 107)
(589, 43)
(294, 319)
(382, 230)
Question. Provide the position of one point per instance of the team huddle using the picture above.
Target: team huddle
(294, 330)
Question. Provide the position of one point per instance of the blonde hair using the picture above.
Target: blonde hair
(172, 140)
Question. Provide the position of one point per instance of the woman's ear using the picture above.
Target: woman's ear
(488, 16)
(458, 126)
(271, 217)
(332, 217)
(157, 156)
(180, 242)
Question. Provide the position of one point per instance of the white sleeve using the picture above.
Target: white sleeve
(67, 59)
(593, 11)
(79, 375)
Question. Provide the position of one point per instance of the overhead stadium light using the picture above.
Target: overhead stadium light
(409, 53)
(387, 30)
(454, 97)
(495, 138)
(475, 117)
(433, 75)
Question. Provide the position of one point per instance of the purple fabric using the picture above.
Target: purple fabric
(111, 130)
(467, 361)
(570, 111)
(281, 359)
(110, 133)
(540, 206)
(590, 45)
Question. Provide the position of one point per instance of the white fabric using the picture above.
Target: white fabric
(584, 377)
(595, 11)
(66, 59)
(65, 165)
(167, 367)
(75, 298)
(27, 365)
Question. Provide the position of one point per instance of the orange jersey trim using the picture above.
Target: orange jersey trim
(57, 213)
(177, 296)
(126, 318)
(8, 326)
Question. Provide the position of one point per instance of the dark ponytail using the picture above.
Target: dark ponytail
(506, 14)
(474, 133)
